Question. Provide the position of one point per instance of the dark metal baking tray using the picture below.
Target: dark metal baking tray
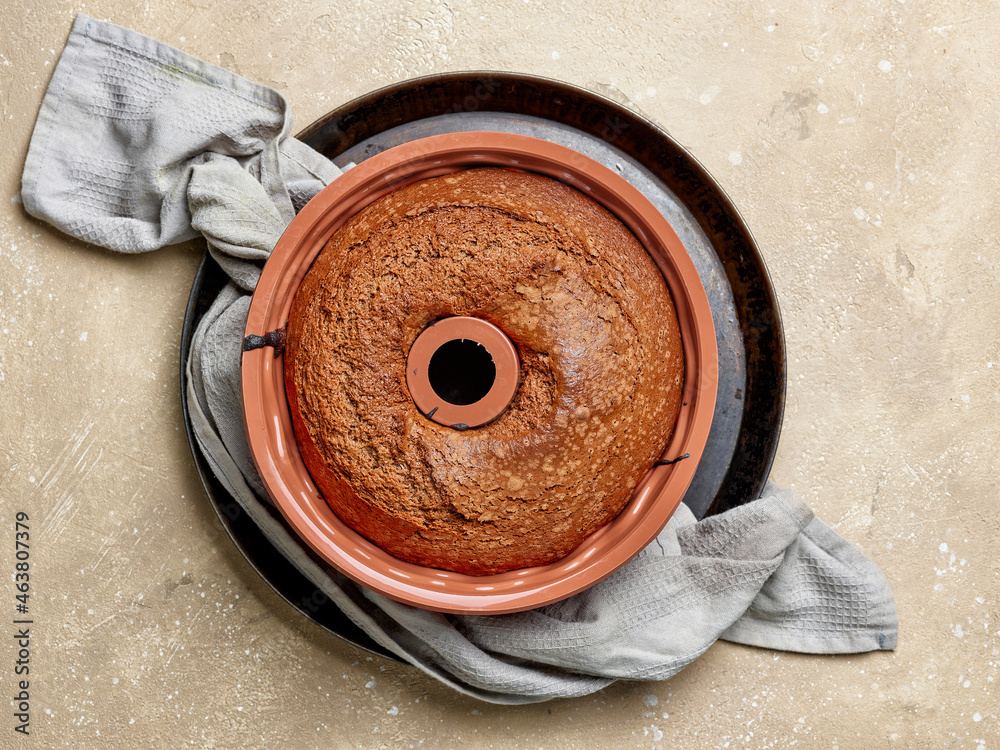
(747, 419)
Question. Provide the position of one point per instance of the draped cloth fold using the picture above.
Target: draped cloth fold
(138, 145)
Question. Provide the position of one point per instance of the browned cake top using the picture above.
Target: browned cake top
(601, 370)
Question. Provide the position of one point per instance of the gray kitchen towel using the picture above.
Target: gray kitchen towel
(138, 145)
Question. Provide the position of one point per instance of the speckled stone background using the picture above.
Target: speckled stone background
(859, 140)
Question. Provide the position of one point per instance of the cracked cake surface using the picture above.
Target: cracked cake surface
(601, 370)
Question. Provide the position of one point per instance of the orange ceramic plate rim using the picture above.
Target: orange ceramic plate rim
(268, 422)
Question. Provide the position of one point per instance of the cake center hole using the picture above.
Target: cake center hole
(461, 371)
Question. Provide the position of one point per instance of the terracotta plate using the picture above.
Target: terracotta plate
(268, 422)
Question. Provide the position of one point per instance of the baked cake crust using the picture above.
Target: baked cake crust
(601, 370)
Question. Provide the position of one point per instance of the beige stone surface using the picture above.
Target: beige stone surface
(859, 141)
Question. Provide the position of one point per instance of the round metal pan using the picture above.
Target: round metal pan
(747, 418)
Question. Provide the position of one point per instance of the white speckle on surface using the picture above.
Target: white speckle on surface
(370, 684)
(650, 700)
(943, 548)
(735, 158)
(859, 213)
(977, 716)
(869, 186)
(393, 711)
(965, 398)
(709, 94)
(957, 630)
(650, 91)
(885, 66)
(555, 55)
(822, 108)
(83, 336)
